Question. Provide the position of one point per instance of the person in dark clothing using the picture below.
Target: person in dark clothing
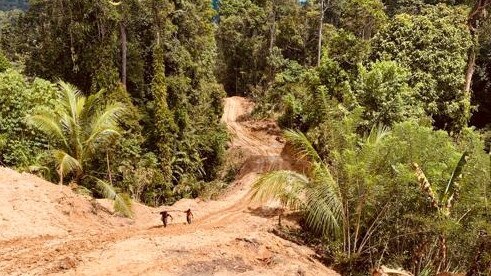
(189, 216)
(165, 216)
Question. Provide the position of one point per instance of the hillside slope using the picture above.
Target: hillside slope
(47, 229)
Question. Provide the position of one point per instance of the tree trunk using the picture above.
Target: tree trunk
(109, 168)
(471, 64)
(442, 254)
(272, 32)
(124, 50)
(60, 173)
(476, 14)
(319, 41)
(272, 38)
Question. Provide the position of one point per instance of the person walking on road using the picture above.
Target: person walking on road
(189, 216)
(165, 216)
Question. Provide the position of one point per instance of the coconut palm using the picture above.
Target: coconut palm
(324, 202)
(78, 129)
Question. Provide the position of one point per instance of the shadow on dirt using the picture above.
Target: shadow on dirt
(265, 212)
(155, 227)
(271, 212)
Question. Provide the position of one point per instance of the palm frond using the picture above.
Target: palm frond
(285, 186)
(47, 122)
(456, 174)
(67, 123)
(324, 210)
(69, 97)
(122, 203)
(66, 163)
(80, 107)
(302, 146)
(377, 134)
(105, 124)
(322, 176)
(38, 169)
(91, 103)
(453, 186)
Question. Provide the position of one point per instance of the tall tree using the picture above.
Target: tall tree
(476, 14)
(322, 10)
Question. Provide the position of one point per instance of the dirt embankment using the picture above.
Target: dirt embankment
(47, 229)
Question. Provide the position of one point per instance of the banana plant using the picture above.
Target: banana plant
(443, 202)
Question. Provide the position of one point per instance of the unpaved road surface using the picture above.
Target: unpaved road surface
(46, 229)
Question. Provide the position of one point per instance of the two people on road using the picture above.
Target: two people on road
(165, 216)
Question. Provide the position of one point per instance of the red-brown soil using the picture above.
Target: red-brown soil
(48, 229)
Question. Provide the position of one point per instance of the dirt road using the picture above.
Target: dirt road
(46, 229)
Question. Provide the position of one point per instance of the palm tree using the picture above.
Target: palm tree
(304, 191)
(326, 203)
(78, 129)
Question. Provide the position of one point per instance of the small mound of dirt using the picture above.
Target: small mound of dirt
(30, 207)
(231, 266)
(267, 126)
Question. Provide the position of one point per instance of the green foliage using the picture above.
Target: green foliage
(481, 80)
(186, 98)
(256, 39)
(18, 98)
(9, 42)
(371, 176)
(385, 94)
(164, 121)
(434, 46)
(122, 202)
(4, 63)
(317, 195)
(78, 128)
(160, 60)
(439, 157)
(166, 51)
(363, 17)
(346, 48)
(211, 190)
(310, 94)
(407, 73)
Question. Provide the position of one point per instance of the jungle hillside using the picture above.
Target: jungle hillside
(283, 137)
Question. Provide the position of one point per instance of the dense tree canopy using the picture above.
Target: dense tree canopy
(434, 46)
(158, 57)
